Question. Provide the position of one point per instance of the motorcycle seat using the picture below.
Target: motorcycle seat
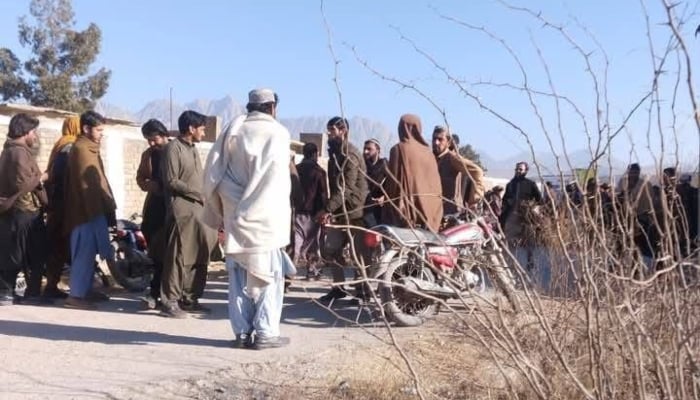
(413, 236)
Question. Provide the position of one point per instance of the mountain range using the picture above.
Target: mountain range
(227, 108)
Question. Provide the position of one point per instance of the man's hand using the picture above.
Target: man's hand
(323, 218)
(378, 200)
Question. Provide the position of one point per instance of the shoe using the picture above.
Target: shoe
(172, 310)
(194, 307)
(334, 294)
(313, 274)
(55, 293)
(270, 343)
(149, 303)
(243, 341)
(97, 296)
(79, 304)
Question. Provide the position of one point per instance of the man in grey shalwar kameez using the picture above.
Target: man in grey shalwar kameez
(189, 241)
(246, 186)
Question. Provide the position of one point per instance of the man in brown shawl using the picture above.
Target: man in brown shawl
(89, 209)
(413, 182)
(456, 172)
(22, 197)
(189, 240)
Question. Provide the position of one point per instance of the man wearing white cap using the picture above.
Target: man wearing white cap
(247, 186)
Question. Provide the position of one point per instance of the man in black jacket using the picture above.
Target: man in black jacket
(348, 191)
(376, 174)
(521, 192)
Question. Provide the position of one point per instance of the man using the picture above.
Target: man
(22, 231)
(452, 168)
(188, 242)
(376, 174)
(674, 220)
(495, 201)
(348, 191)
(521, 193)
(413, 183)
(59, 241)
(89, 209)
(313, 199)
(248, 179)
(689, 198)
(150, 180)
(636, 197)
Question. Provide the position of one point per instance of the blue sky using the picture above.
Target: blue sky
(213, 48)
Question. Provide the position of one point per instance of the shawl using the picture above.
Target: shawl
(20, 174)
(87, 191)
(214, 171)
(69, 133)
(413, 182)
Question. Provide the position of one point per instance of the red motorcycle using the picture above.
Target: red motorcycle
(416, 268)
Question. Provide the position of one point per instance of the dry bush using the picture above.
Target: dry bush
(610, 323)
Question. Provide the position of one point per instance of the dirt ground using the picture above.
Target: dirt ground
(121, 352)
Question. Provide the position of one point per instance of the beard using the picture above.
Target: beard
(335, 144)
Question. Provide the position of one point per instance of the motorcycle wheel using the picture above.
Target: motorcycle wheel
(400, 307)
(119, 267)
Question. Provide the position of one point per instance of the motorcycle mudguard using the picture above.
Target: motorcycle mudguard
(382, 265)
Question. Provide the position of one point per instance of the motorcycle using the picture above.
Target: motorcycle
(417, 268)
(130, 265)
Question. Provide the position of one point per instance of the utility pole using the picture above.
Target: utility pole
(171, 108)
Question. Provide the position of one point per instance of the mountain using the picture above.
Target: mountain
(361, 129)
(547, 161)
(227, 108)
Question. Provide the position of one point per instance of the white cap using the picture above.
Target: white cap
(261, 96)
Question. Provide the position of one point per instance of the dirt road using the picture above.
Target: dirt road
(120, 352)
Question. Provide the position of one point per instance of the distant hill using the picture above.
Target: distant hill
(548, 163)
(227, 108)
(361, 129)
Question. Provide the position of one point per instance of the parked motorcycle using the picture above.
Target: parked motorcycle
(416, 267)
(130, 265)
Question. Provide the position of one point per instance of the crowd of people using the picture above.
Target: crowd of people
(660, 221)
(62, 216)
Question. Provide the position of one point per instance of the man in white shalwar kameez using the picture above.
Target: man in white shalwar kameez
(247, 188)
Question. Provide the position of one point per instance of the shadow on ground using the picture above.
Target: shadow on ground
(46, 331)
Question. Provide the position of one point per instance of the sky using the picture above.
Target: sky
(391, 57)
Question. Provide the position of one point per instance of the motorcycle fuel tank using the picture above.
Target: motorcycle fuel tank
(463, 233)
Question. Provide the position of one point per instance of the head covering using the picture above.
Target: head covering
(375, 141)
(69, 132)
(413, 181)
(410, 129)
(261, 96)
